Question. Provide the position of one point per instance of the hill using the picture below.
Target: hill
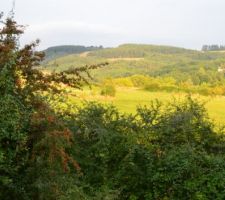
(163, 61)
(58, 51)
(138, 50)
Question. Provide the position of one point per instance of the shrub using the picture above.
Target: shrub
(32, 137)
(153, 86)
(164, 152)
(123, 82)
(108, 90)
(140, 80)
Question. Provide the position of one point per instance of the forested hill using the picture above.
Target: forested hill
(157, 61)
(138, 50)
(63, 50)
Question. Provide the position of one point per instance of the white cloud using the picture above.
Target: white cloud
(73, 26)
(188, 23)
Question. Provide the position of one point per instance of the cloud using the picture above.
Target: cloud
(188, 23)
(64, 26)
(73, 32)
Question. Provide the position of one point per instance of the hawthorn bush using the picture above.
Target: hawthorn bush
(34, 143)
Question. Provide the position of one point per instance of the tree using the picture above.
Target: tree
(28, 126)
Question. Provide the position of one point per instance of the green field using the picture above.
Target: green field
(127, 100)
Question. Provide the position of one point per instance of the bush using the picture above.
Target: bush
(108, 90)
(140, 80)
(163, 152)
(154, 86)
(123, 82)
(32, 137)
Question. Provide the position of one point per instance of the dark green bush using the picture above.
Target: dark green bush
(163, 152)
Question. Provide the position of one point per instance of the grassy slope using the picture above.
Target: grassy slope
(127, 99)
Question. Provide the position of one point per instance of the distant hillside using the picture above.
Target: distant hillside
(157, 61)
(58, 51)
(138, 51)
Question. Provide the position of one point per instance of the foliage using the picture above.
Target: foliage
(108, 89)
(14, 119)
(133, 50)
(155, 61)
(169, 84)
(164, 152)
(58, 51)
(214, 47)
(32, 139)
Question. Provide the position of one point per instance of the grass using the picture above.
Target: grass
(127, 99)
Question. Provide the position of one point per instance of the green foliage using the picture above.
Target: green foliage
(155, 61)
(168, 84)
(136, 51)
(164, 152)
(108, 89)
(14, 118)
(58, 51)
(32, 138)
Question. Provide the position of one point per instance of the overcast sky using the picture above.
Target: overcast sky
(184, 23)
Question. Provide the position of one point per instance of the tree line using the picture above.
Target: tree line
(213, 47)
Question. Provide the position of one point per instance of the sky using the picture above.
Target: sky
(183, 23)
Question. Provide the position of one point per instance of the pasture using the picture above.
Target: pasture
(127, 100)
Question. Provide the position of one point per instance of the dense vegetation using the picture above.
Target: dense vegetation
(33, 141)
(57, 51)
(161, 153)
(49, 151)
(199, 71)
(214, 47)
(169, 84)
